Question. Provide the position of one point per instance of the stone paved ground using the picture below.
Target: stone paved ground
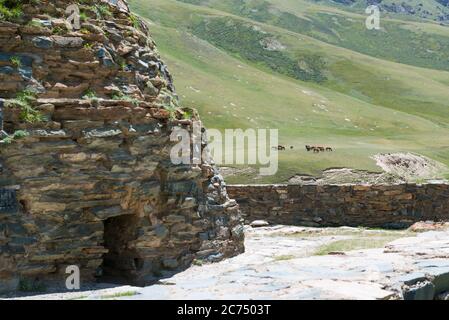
(280, 263)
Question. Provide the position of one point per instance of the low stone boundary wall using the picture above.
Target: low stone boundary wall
(387, 206)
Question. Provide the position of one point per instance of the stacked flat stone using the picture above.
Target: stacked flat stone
(92, 181)
(381, 206)
(108, 55)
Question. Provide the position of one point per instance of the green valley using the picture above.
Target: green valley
(328, 83)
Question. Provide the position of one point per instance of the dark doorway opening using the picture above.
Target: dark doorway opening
(122, 263)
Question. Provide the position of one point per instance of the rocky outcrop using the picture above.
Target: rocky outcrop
(387, 206)
(86, 177)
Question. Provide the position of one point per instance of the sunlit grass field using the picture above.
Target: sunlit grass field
(364, 105)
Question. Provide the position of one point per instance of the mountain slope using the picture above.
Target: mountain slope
(361, 107)
(436, 10)
(347, 29)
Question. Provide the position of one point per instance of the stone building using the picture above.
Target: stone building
(85, 172)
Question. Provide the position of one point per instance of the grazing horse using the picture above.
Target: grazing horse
(309, 148)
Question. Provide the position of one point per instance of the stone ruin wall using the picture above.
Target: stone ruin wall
(386, 206)
(90, 183)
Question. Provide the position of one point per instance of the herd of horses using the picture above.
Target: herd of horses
(318, 149)
(309, 148)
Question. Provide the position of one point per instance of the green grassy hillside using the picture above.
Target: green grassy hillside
(313, 91)
(401, 41)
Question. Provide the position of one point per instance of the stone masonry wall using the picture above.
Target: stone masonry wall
(393, 206)
(85, 172)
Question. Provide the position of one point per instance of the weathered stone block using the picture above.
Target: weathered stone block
(8, 201)
(421, 291)
(440, 277)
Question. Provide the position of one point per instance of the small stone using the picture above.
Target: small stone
(170, 263)
(7, 70)
(43, 42)
(259, 224)
(412, 278)
(68, 42)
(150, 89)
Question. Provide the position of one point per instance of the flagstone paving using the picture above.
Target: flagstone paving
(280, 263)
